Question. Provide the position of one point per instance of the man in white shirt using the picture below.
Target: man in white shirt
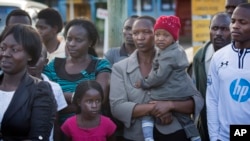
(228, 80)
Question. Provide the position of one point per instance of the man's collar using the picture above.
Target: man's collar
(123, 51)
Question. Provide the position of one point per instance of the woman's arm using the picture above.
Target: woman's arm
(191, 106)
(163, 107)
(186, 107)
(142, 110)
(44, 110)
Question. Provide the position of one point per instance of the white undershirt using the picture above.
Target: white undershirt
(5, 98)
(208, 56)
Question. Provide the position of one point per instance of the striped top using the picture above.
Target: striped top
(56, 72)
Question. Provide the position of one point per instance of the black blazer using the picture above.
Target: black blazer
(31, 112)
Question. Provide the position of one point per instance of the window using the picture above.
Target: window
(145, 5)
(167, 5)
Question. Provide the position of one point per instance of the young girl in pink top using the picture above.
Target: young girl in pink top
(88, 124)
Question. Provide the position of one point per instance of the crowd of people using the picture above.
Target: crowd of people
(59, 89)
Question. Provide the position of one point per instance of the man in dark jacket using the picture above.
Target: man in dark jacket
(219, 37)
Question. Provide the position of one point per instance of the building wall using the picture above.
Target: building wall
(183, 10)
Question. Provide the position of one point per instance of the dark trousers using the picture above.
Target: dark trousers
(176, 136)
(202, 125)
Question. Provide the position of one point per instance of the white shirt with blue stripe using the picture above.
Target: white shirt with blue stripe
(228, 91)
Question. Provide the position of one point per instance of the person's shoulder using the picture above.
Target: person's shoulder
(121, 63)
(106, 119)
(56, 61)
(69, 123)
(52, 83)
(112, 53)
(33, 82)
(55, 86)
(175, 47)
(100, 65)
(113, 50)
(101, 61)
(40, 84)
(201, 51)
(226, 47)
(43, 90)
(223, 51)
(131, 60)
(71, 119)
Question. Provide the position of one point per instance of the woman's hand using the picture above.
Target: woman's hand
(161, 108)
(166, 118)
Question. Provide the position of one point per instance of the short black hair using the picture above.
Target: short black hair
(150, 18)
(28, 37)
(81, 90)
(17, 12)
(51, 17)
(130, 17)
(220, 14)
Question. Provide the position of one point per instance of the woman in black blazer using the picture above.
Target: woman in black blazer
(27, 104)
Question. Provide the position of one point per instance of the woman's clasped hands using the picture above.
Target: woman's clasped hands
(162, 111)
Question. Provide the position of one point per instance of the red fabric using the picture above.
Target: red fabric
(170, 23)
